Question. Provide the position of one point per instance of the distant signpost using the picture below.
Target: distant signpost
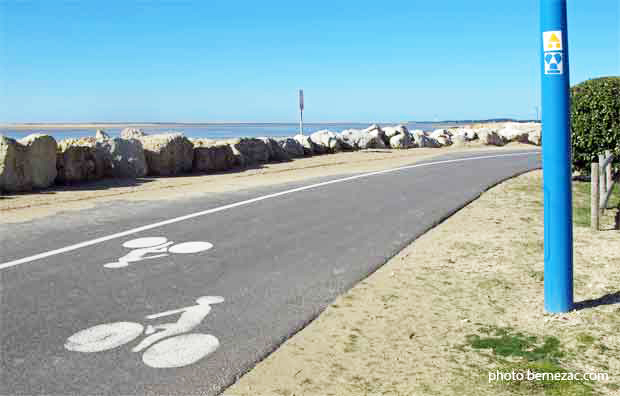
(301, 111)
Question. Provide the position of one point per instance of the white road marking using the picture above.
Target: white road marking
(177, 350)
(190, 247)
(242, 203)
(180, 351)
(104, 337)
(147, 242)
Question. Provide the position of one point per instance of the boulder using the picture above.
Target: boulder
(327, 140)
(28, 163)
(467, 133)
(534, 137)
(249, 151)
(421, 140)
(442, 136)
(167, 154)
(512, 134)
(293, 148)
(393, 131)
(401, 141)
(276, 152)
(310, 148)
(122, 158)
(76, 164)
(490, 137)
(132, 133)
(440, 132)
(101, 135)
(363, 139)
(210, 156)
(376, 132)
(350, 137)
(15, 169)
(41, 151)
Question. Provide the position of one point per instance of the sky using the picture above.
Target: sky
(244, 61)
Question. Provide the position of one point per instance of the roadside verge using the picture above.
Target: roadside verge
(461, 302)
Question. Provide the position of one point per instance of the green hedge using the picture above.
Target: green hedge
(595, 120)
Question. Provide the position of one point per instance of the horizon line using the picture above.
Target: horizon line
(147, 123)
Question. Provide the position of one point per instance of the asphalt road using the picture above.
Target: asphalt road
(277, 261)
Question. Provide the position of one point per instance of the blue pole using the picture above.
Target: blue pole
(556, 157)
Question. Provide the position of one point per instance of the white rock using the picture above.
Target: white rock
(167, 154)
(401, 141)
(490, 137)
(327, 139)
(101, 135)
(122, 158)
(535, 137)
(132, 133)
(395, 130)
(421, 140)
(512, 134)
(467, 133)
(364, 139)
(41, 150)
(310, 148)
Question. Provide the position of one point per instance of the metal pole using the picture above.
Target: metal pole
(556, 157)
(301, 111)
(594, 198)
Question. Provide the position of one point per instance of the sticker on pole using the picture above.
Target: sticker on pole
(554, 63)
(553, 40)
(553, 52)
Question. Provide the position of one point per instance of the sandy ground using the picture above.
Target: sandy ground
(24, 207)
(404, 329)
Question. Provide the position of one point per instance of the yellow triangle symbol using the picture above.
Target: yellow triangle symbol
(554, 39)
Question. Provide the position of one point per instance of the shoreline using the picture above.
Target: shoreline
(101, 125)
(27, 126)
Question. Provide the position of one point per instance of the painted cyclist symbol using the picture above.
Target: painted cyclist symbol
(155, 247)
(177, 350)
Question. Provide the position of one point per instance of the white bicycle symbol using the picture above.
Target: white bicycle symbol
(177, 350)
(158, 247)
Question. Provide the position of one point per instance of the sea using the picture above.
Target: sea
(211, 131)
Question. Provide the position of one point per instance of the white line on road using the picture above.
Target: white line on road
(241, 203)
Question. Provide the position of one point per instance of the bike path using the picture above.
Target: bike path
(277, 263)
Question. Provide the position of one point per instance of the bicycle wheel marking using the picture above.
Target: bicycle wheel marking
(180, 351)
(190, 247)
(149, 248)
(141, 243)
(165, 345)
(103, 337)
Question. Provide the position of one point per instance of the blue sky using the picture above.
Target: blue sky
(244, 61)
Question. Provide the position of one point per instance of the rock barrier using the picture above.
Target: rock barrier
(37, 161)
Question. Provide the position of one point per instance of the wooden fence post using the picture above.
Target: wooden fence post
(602, 180)
(609, 171)
(594, 197)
